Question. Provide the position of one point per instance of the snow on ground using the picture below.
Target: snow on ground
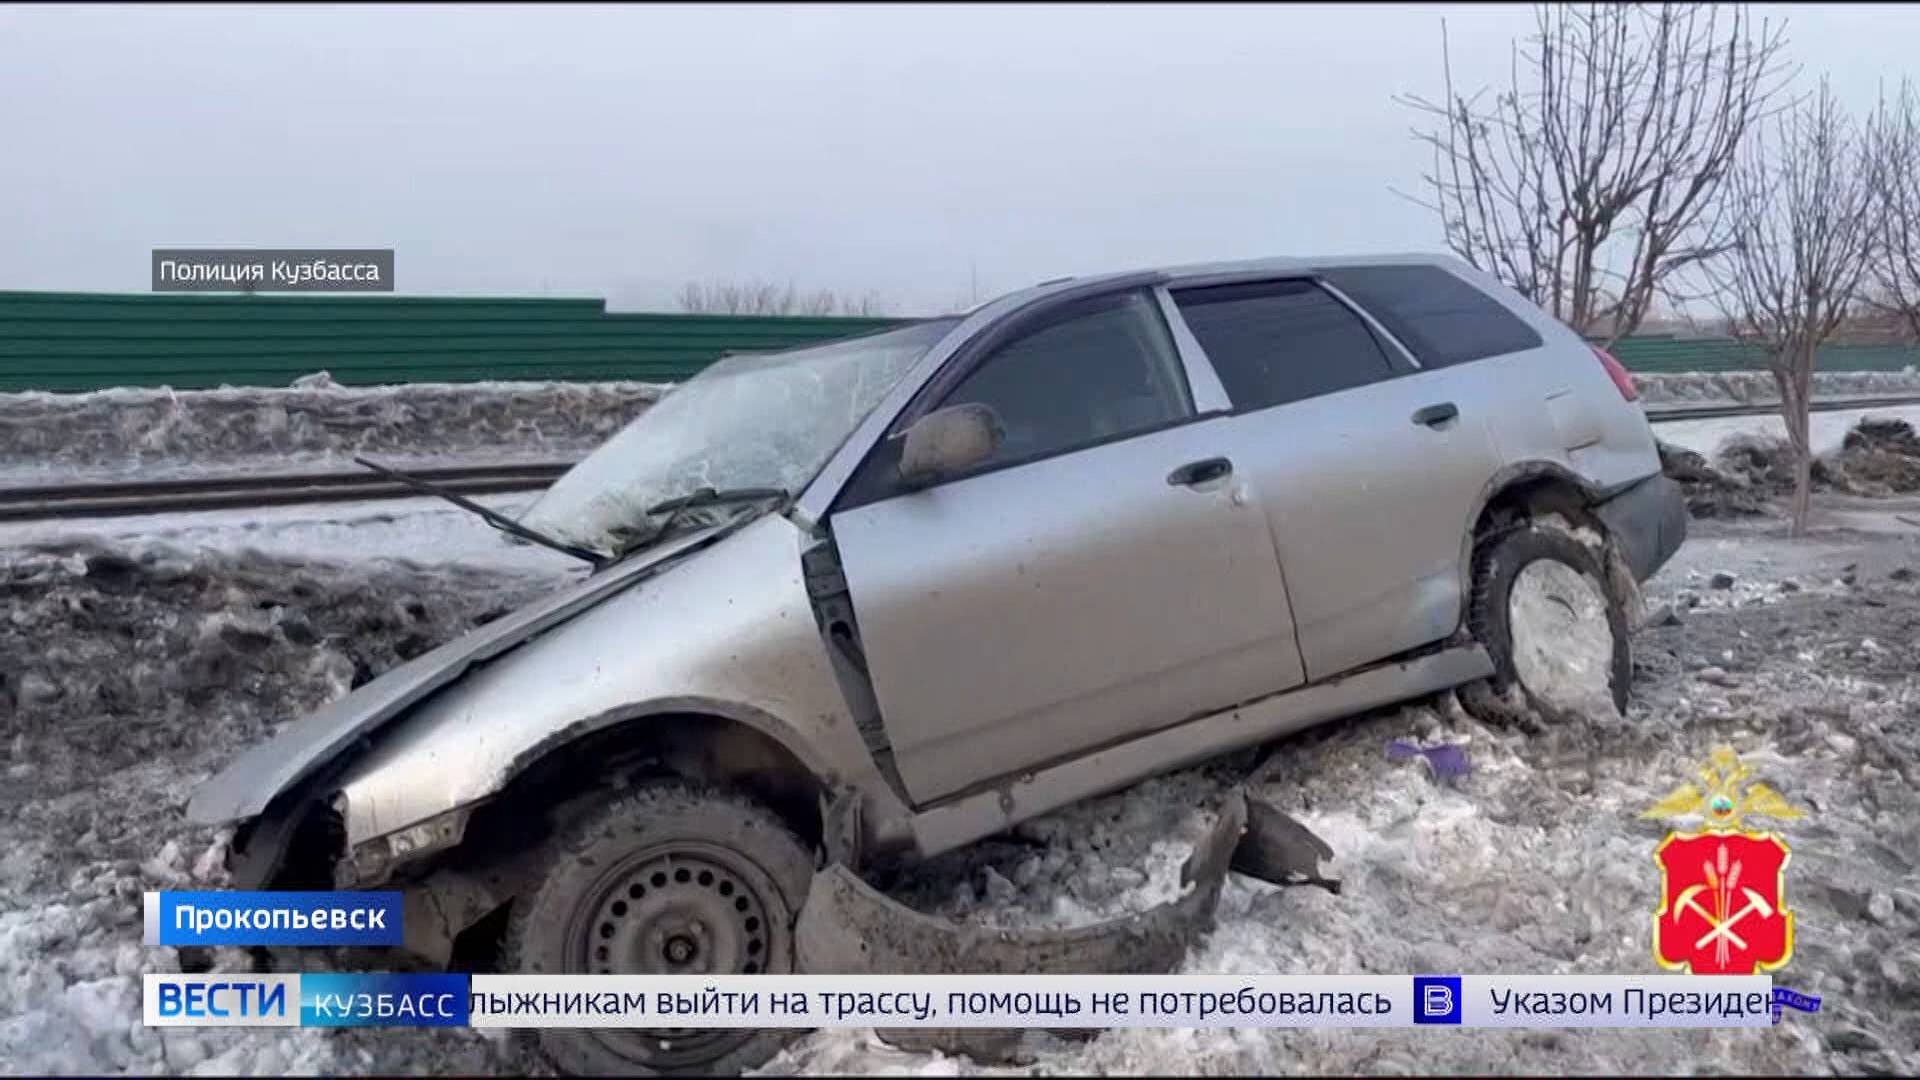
(125, 681)
(131, 679)
(1826, 429)
(151, 433)
(1758, 386)
(419, 531)
(138, 654)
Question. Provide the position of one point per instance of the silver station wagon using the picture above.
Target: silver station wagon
(880, 598)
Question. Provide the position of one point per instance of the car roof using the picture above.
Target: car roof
(1190, 273)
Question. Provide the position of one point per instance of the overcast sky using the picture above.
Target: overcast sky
(622, 151)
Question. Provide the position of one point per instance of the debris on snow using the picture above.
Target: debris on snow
(1444, 763)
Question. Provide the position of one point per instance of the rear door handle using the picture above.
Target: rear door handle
(1199, 472)
(1434, 415)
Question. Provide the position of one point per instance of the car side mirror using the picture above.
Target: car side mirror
(949, 441)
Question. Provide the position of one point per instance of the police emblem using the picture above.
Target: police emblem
(1723, 908)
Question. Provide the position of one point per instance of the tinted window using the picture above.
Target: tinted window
(1095, 370)
(1441, 318)
(1278, 341)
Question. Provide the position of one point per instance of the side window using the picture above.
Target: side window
(1278, 341)
(1440, 318)
(1094, 370)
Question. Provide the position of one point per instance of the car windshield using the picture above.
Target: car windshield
(762, 421)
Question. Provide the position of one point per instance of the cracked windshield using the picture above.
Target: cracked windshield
(746, 422)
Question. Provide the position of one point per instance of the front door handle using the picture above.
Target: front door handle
(1434, 415)
(1199, 472)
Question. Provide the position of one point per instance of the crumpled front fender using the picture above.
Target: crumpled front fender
(257, 777)
(728, 633)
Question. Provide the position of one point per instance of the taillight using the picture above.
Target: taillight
(1622, 378)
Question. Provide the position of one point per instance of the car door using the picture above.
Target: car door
(1367, 466)
(1105, 573)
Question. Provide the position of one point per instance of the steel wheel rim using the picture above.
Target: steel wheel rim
(680, 907)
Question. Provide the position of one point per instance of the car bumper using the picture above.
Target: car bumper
(1648, 520)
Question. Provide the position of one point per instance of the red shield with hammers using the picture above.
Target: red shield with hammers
(1722, 903)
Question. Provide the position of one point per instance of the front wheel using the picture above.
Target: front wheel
(668, 880)
(1557, 636)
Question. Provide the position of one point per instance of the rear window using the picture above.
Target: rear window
(1441, 318)
(1279, 341)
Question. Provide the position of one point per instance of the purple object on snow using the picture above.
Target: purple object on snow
(1447, 762)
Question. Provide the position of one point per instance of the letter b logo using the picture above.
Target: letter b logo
(1436, 999)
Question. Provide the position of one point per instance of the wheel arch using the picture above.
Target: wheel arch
(459, 905)
(704, 740)
(1521, 489)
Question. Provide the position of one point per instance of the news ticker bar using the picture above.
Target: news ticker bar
(964, 1001)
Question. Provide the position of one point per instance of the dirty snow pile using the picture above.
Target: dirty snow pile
(126, 677)
(1757, 387)
(315, 425)
(1748, 476)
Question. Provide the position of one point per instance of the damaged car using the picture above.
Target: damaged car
(865, 602)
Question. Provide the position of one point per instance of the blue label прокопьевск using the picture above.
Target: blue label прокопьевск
(272, 918)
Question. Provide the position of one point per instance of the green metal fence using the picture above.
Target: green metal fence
(84, 341)
(88, 341)
(1655, 355)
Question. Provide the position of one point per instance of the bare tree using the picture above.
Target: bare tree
(765, 298)
(1596, 175)
(1897, 267)
(1806, 215)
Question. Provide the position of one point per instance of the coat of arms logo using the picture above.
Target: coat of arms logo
(1723, 907)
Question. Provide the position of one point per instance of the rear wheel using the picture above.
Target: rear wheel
(668, 880)
(1556, 634)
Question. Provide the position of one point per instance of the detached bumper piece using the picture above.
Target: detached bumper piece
(847, 927)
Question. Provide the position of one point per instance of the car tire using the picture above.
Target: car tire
(669, 879)
(1551, 562)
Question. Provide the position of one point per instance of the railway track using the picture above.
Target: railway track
(120, 498)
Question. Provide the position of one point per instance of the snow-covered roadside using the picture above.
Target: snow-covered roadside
(424, 531)
(124, 681)
(129, 682)
(54, 438)
(1758, 386)
(1826, 429)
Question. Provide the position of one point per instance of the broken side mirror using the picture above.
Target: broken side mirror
(949, 441)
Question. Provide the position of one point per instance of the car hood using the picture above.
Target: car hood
(254, 779)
